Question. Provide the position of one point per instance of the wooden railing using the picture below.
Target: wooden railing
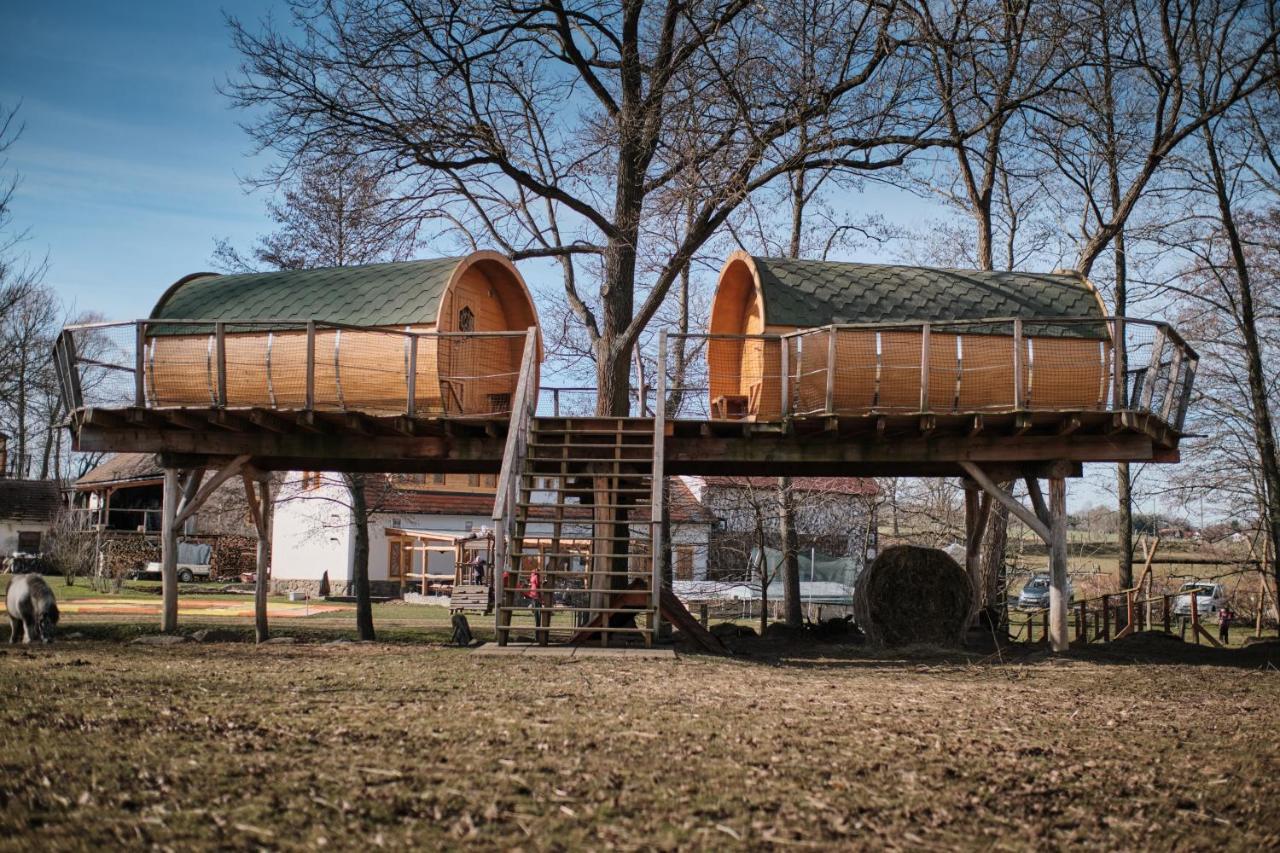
(524, 404)
(867, 368)
(303, 365)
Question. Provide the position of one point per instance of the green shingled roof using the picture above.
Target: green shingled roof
(393, 294)
(818, 293)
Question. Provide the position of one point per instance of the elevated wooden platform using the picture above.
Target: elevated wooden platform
(868, 445)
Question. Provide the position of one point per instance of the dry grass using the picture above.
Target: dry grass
(232, 746)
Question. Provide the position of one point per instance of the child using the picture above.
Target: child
(1225, 617)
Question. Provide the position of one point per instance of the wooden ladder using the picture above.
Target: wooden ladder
(580, 561)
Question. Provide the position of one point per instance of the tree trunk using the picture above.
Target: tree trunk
(790, 555)
(993, 556)
(360, 557)
(1263, 426)
(1124, 482)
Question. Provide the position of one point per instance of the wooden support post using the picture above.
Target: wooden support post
(1082, 623)
(1106, 618)
(169, 551)
(220, 333)
(831, 371)
(311, 366)
(924, 367)
(411, 378)
(1168, 616)
(784, 393)
(139, 366)
(1018, 358)
(260, 509)
(1058, 564)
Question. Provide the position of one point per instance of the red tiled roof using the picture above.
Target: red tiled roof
(683, 506)
(841, 485)
(421, 502)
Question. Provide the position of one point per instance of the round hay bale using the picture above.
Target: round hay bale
(911, 595)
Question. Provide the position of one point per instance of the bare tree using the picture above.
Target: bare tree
(334, 212)
(1141, 95)
(555, 131)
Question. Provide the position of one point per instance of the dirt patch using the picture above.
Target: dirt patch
(294, 747)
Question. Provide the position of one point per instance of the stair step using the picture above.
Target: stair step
(597, 460)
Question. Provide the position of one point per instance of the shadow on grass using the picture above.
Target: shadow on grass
(1141, 649)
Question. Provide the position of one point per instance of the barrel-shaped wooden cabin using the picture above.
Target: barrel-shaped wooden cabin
(349, 335)
(854, 336)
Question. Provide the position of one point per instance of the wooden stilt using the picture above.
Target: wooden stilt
(260, 509)
(1058, 598)
(169, 551)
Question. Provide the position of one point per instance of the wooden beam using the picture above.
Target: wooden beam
(1069, 424)
(263, 575)
(1027, 517)
(251, 499)
(1058, 638)
(219, 477)
(269, 421)
(1037, 499)
(169, 552)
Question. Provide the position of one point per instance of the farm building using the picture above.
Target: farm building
(313, 532)
(343, 338)
(971, 366)
(125, 492)
(27, 512)
(834, 517)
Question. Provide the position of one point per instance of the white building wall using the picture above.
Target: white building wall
(695, 538)
(9, 534)
(311, 534)
(440, 563)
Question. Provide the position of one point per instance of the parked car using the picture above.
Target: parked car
(1035, 594)
(1210, 598)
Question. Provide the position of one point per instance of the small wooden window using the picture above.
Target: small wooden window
(311, 480)
(684, 563)
(491, 480)
(466, 320)
(399, 557)
(438, 479)
(473, 479)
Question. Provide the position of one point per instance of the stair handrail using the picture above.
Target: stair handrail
(657, 498)
(523, 405)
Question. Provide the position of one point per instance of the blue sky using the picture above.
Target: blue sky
(130, 159)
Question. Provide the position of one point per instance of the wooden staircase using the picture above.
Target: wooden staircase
(578, 564)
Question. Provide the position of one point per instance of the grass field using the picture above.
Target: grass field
(228, 745)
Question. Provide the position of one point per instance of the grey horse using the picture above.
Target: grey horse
(31, 604)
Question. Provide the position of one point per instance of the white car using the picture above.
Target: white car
(187, 572)
(1210, 598)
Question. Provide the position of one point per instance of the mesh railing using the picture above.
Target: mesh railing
(974, 366)
(289, 365)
